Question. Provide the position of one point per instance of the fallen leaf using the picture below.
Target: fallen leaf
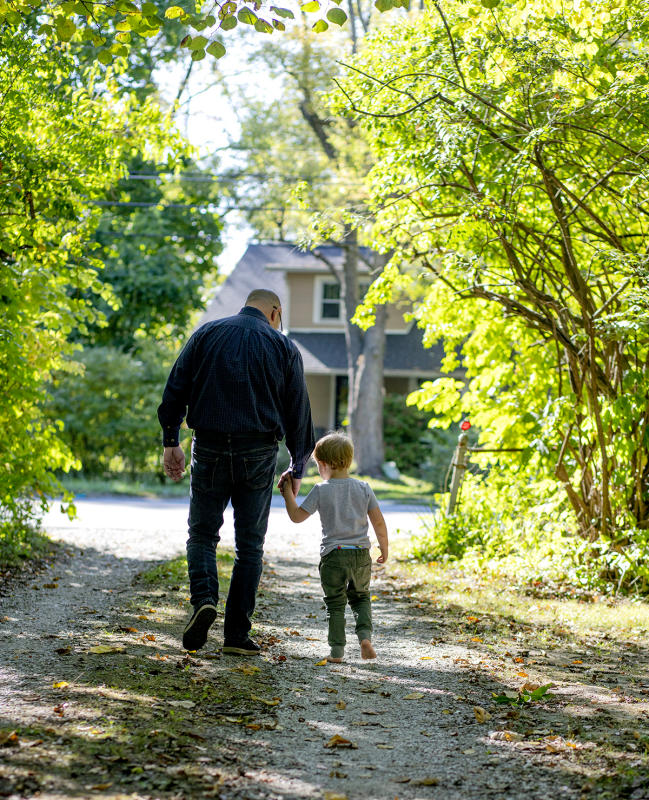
(330, 690)
(340, 741)
(334, 796)
(63, 651)
(385, 746)
(102, 649)
(425, 658)
(60, 709)
(60, 685)
(128, 629)
(522, 674)
(476, 639)
(100, 787)
(405, 779)
(149, 637)
(427, 782)
(341, 705)
(414, 696)
(480, 714)
(373, 598)
(142, 616)
(253, 726)
(295, 633)
(506, 736)
(472, 619)
(529, 687)
(577, 661)
(337, 774)
(182, 703)
(274, 702)
(321, 663)
(50, 586)
(9, 739)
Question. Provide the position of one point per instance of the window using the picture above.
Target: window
(329, 299)
(330, 308)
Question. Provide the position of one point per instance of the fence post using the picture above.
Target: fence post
(460, 461)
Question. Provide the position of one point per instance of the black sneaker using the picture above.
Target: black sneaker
(247, 648)
(195, 634)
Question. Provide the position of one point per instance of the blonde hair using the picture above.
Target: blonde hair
(335, 450)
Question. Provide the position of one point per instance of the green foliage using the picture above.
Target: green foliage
(524, 696)
(108, 409)
(114, 27)
(61, 146)
(412, 444)
(158, 240)
(511, 169)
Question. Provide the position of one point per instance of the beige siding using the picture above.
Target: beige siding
(301, 300)
(319, 389)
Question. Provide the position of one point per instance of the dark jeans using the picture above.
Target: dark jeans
(241, 470)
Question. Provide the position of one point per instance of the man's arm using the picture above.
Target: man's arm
(173, 408)
(300, 437)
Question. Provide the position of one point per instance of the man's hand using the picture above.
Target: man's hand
(174, 462)
(287, 478)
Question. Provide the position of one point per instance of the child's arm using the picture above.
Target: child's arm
(295, 513)
(381, 531)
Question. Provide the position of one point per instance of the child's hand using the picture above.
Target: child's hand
(383, 557)
(286, 486)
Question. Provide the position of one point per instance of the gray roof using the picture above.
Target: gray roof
(404, 353)
(321, 352)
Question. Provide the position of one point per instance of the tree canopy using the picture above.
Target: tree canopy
(511, 165)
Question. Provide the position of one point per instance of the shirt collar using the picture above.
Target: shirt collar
(249, 311)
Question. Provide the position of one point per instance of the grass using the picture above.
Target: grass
(483, 587)
(407, 490)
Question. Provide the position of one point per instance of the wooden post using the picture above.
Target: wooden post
(460, 461)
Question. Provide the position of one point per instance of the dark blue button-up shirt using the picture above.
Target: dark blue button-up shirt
(240, 375)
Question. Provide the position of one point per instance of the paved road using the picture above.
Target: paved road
(153, 529)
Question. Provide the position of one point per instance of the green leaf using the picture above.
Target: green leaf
(228, 23)
(337, 16)
(65, 29)
(321, 26)
(384, 5)
(198, 55)
(149, 9)
(105, 58)
(313, 5)
(198, 43)
(282, 12)
(278, 25)
(246, 16)
(124, 37)
(263, 27)
(216, 49)
(173, 12)
(490, 3)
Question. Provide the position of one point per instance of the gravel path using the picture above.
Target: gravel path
(408, 724)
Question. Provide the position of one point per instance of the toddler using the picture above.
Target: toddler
(344, 505)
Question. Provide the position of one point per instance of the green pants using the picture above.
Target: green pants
(345, 577)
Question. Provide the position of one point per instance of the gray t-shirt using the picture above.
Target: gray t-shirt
(343, 504)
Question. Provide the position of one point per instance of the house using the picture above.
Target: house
(313, 318)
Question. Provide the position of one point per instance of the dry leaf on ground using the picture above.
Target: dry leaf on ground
(341, 705)
(414, 696)
(340, 741)
(102, 649)
(480, 714)
(274, 702)
(60, 685)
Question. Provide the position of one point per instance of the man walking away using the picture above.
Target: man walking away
(240, 383)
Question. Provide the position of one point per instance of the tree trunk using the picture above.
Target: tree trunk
(367, 416)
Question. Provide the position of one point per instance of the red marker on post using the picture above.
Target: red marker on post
(465, 425)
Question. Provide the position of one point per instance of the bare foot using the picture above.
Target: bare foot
(367, 651)
(333, 660)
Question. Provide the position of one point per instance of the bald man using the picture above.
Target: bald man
(239, 382)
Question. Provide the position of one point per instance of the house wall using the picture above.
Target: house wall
(302, 316)
(320, 394)
(397, 385)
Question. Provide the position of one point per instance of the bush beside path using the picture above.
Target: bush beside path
(98, 698)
